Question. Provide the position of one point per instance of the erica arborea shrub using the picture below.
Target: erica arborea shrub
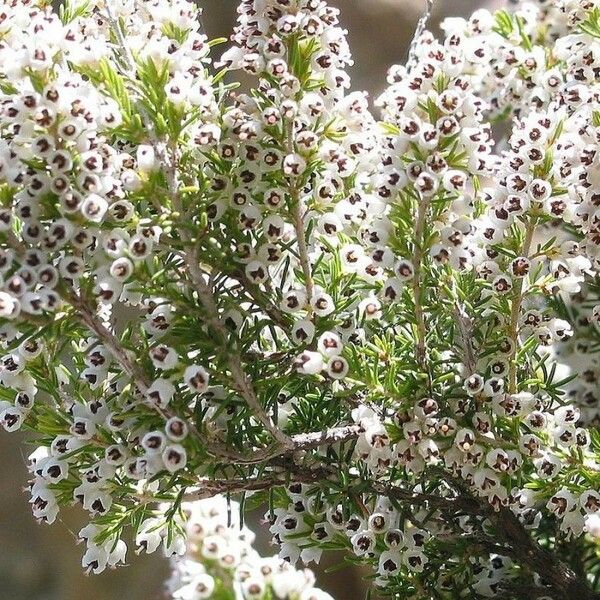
(378, 321)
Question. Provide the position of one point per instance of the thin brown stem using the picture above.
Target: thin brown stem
(298, 222)
(108, 339)
(207, 488)
(515, 310)
(299, 228)
(561, 578)
(301, 442)
(264, 304)
(417, 284)
(465, 332)
(15, 243)
(233, 359)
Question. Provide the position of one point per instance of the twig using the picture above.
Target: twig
(423, 207)
(90, 319)
(207, 488)
(233, 359)
(564, 582)
(300, 442)
(420, 28)
(299, 225)
(302, 246)
(276, 315)
(515, 310)
(465, 332)
(205, 295)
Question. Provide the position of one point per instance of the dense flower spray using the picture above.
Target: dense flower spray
(220, 560)
(379, 321)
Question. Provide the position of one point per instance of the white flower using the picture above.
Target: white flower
(309, 363)
(161, 392)
(94, 208)
(174, 457)
(196, 378)
(146, 158)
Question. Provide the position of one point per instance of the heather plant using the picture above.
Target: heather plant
(378, 322)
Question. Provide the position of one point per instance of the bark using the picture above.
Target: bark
(561, 577)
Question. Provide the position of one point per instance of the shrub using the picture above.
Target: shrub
(383, 329)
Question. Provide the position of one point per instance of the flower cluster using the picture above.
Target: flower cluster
(73, 165)
(386, 330)
(219, 556)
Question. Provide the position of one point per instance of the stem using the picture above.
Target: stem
(264, 304)
(233, 358)
(90, 319)
(420, 28)
(327, 437)
(300, 442)
(565, 583)
(423, 206)
(205, 295)
(465, 332)
(515, 311)
(302, 246)
(299, 225)
(211, 487)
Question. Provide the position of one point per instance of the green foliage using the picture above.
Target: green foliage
(71, 10)
(591, 25)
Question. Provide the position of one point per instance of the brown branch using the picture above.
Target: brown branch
(300, 443)
(90, 319)
(273, 312)
(515, 309)
(564, 582)
(233, 359)
(465, 332)
(108, 339)
(423, 207)
(212, 487)
(453, 505)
